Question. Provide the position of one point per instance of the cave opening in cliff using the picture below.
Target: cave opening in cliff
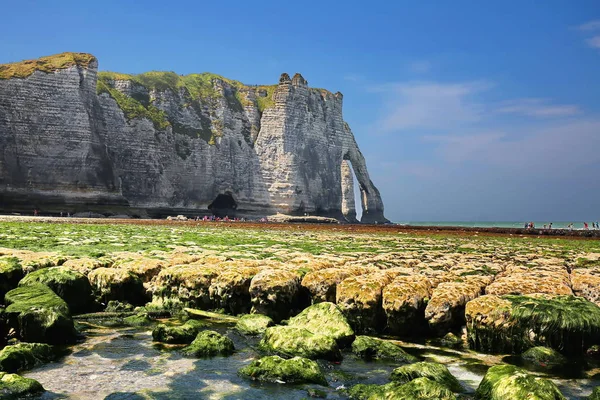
(349, 196)
(223, 205)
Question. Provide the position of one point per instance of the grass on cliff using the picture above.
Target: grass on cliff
(23, 69)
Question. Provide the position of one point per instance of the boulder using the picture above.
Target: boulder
(253, 324)
(434, 371)
(509, 382)
(38, 315)
(184, 285)
(322, 284)
(139, 319)
(11, 273)
(290, 341)
(117, 284)
(370, 348)
(325, 319)
(230, 290)
(404, 301)
(586, 283)
(72, 286)
(417, 389)
(524, 280)
(275, 369)
(540, 357)
(210, 344)
(275, 293)
(182, 334)
(22, 356)
(513, 324)
(143, 267)
(13, 386)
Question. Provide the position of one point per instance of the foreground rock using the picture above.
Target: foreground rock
(275, 293)
(322, 284)
(117, 284)
(417, 389)
(586, 283)
(595, 394)
(509, 382)
(184, 285)
(523, 280)
(230, 290)
(370, 348)
(513, 324)
(253, 324)
(183, 334)
(290, 342)
(11, 273)
(72, 286)
(543, 358)
(210, 344)
(434, 371)
(13, 386)
(325, 319)
(38, 315)
(404, 302)
(275, 369)
(22, 356)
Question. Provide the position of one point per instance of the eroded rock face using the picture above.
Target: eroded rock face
(76, 139)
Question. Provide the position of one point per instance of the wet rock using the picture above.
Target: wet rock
(140, 319)
(445, 310)
(253, 324)
(275, 369)
(72, 286)
(117, 306)
(434, 371)
(22, 356)
(509, 382)
(38, 315)
(513, 324)
(595, 394)
(325, 319)
(404, 302)
(210, 344)
(370, 348)
(85, 265)
(322, 284)
(451, 340)
(230, 290)
(521, 280)
(145, 268)
(184, 285)
(275, 293)
(586, 283)
(540, 357)
(290, 342)
(417, 389)
(11, 273)
(13, 386)
(117, 284)
(183, 334)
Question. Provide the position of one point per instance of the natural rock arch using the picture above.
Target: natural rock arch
(223, 205)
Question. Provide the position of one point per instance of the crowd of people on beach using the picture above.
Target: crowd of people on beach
(571, 226)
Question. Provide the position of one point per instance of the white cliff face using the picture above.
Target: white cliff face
(263, 149)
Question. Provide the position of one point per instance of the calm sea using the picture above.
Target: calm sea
(498, 224)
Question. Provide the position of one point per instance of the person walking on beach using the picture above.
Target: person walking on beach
(585, 226)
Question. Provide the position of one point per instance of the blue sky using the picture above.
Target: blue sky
(464, 110)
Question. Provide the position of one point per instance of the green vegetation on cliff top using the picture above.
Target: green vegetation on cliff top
(47, 64)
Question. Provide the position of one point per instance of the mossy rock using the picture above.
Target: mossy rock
(451, 340)
(513, 324)
(253, 324)
(22, 356)
(118, 306)
(117, 284)
(370, 348)
(276, 369)
(290, 341)
(434, 371)
(183, 334)
(11, 273)
(72, 286)
(544, 357)
(593, 352)
(13, 386)
(140, 319)
(417, 389)
(39, 316)
(595, 394)
(509, 382)
(275, 293)
(210, 344)
(325, 319)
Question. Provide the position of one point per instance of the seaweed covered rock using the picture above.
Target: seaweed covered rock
(513, 324)
(184, 285)
(72, 286)
(13, 386)
(277, 370)
(22, 356)
(586, 283)
(117, 284)
(139, 319)
(370, 348)
(230, 290)
(182, 334)
(434, 371)
(595, 394)
(253, 324)
(290, 341)
(85, 265)
(275, 293)
(404, 302)
(38, 315)
(210, 344)
(541, 357)
(417, 389)
(525, 280)
(143, 267)
(509, 382)
(11, 273)
(325, 319)
(322, 284)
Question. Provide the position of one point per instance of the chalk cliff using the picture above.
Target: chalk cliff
(156, 143)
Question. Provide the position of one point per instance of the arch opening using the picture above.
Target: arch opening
(223, 205)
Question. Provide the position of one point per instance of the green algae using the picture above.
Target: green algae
(11, 273)
(595, 394)
(253, 324)
(509, 382)
(183, 334)
(13, 386)
(417, 389)
(278, 370)
(370, 348)
(290, 341)
(22, 356)
(544, 357)
(325, 319)
(434, 371)
(210, 344)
